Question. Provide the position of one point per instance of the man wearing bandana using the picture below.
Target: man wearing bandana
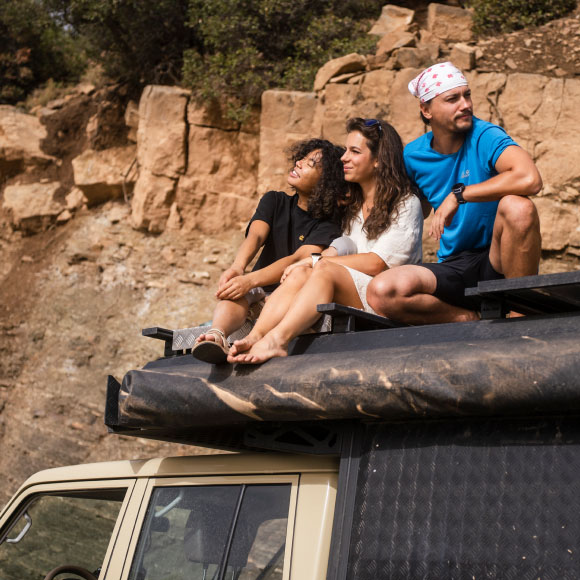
(478, 181)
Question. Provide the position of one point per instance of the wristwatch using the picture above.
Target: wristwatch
(315, 257)
(457, 190)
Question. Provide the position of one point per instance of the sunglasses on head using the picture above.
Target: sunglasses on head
(372, 123)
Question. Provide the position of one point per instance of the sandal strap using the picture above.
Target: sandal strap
(220, 333)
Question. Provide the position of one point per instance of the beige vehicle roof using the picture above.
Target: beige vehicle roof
(218, 464)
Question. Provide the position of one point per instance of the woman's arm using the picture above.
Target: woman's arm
(240, 285)
(367, 263)
(257, 234)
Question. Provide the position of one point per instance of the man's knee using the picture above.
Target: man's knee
(386, 290)
(519, 213)
(382, 287)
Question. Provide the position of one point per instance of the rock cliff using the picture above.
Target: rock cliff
(117, 215)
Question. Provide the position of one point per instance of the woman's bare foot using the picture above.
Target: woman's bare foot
(264, 349)
(244, 344)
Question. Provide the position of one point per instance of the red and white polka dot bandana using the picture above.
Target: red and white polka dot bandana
(435, 80)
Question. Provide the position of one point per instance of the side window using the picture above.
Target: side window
(59, 530)
(221, 531)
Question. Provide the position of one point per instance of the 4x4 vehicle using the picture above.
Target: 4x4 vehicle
(373, 451)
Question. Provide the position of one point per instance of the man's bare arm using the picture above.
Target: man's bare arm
(517, 175)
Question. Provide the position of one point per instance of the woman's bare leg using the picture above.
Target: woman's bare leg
(329, 283)
(274, 309)
(228, 316)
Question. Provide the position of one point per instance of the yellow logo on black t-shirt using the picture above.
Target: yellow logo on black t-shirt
(301, 237)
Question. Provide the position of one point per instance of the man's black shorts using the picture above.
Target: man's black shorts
(462, 271)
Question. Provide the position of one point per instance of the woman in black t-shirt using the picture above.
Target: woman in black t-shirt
(287, 228)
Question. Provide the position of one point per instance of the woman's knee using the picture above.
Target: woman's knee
(518, 213)
(298, 276)
(324, 268)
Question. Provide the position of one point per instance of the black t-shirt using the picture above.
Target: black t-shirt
(290, 228)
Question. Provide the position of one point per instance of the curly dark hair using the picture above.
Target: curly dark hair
(393, 184)
(327, 200)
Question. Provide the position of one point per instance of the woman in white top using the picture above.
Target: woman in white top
(385, 222)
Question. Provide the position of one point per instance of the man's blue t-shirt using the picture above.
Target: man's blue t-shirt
(435, 174)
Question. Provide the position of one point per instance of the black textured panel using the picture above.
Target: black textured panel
(468, 500)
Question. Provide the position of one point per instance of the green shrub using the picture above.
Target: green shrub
(492, 16)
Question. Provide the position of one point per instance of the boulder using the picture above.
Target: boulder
(393, 40)
(431, 43)
(75, 199)
(345, 64)
(32, 206)
(151, 202)
(463, 56)
(412, 57)
(20, 139)
(286, 117)
(162, 134)
(449, 23)
(100, 174)
(392, 18)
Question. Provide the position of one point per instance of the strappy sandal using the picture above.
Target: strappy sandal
(212, 351)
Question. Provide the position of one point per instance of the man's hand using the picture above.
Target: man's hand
(443, 216)
(230, 273)
(235, 288)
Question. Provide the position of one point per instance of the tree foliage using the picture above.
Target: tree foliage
(493, 16)
(226, 50)
(33, 49)
(135, 41)
(246, 47)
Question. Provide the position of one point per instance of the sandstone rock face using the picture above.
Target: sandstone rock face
(393, 40)
(32, 206)
(161, 155)
(100, 174)
(151, 202)
(345, 64)
(286, 117)
(197, 169)
(132, 120)
(463, 56)
(449, 23)
(20, 138)
(559, 223)
(392, 18)
(218, 190)
(162, 133)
